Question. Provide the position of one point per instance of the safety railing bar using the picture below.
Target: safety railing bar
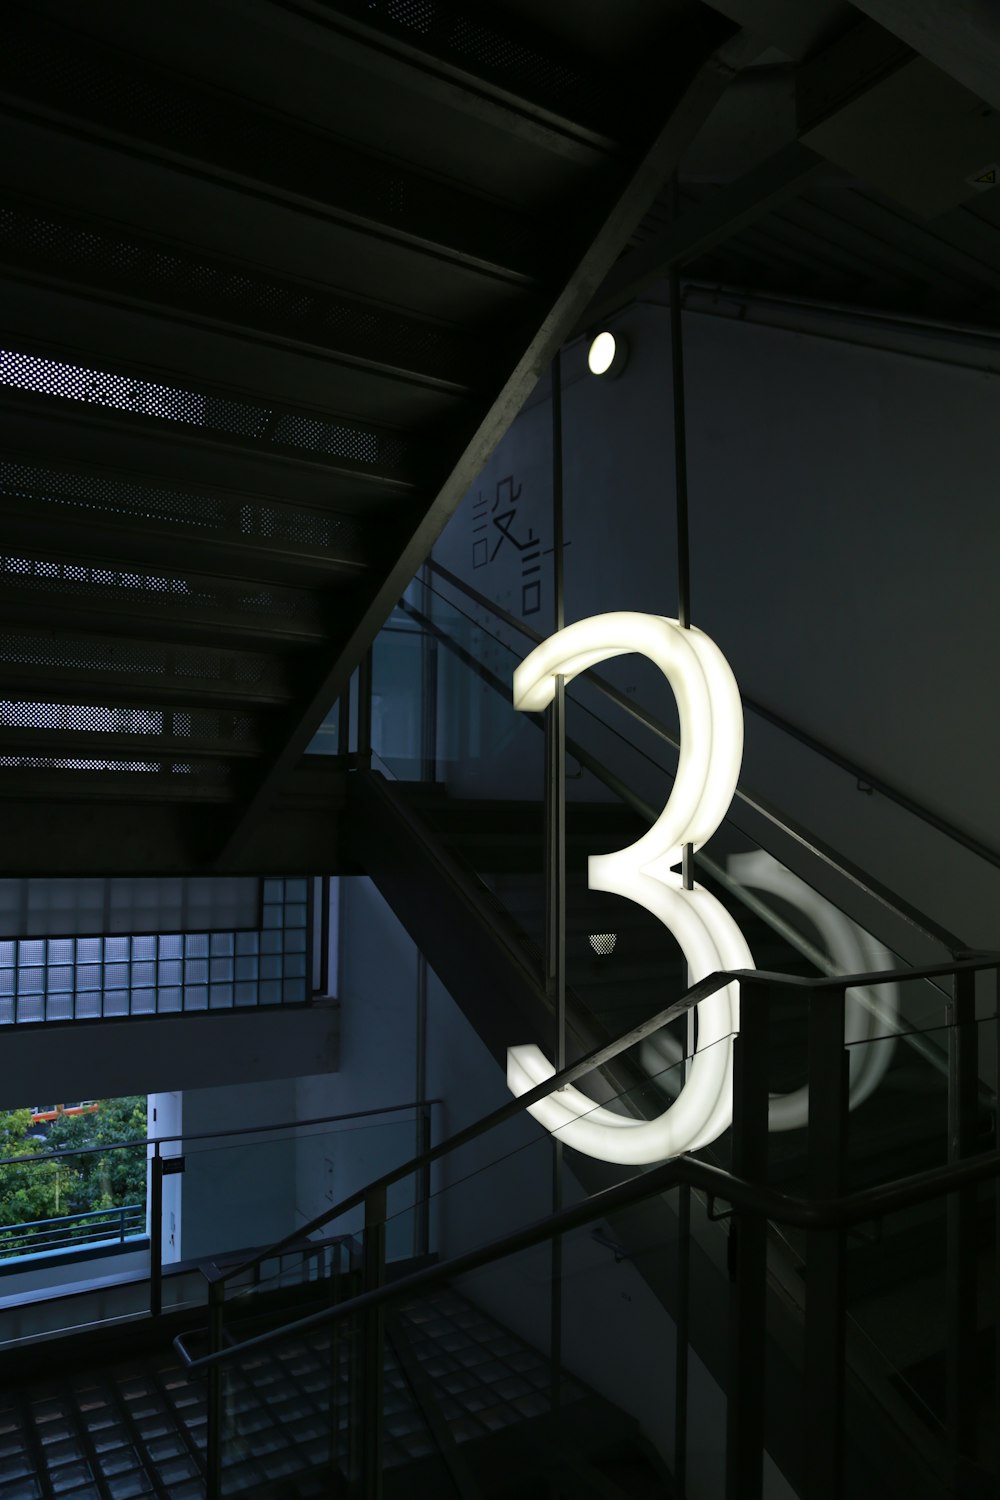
(936, 1056)
(744, 1196)
(90, 1213)
(481, 599)
(606, 1053)
(877, 783)
(844, 763)
(867, 884)
(508, 1111)
(211, 1135)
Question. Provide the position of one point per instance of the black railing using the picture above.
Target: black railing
(861, 774)
(99, 1226)
(75, 1233)
(858, 879)
(824, 1213)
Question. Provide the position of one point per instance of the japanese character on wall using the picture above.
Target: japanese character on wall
(496, 525)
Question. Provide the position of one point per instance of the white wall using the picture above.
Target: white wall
(237, 1194)
(165, 1119)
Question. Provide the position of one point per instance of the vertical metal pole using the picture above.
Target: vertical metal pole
(683, 1333)
(826, 1301)
(422, 1183)
(961, 1289)
(373, 1355)
(748, 1253)
(213, 1437)
(680, 451)
(429, 688)
(312, 950)
(681, 1362)
(556, 841)
(156, 1233)
(682, 1320)
(996, 1221)
(365, 711)
(344, 721)
(324, 936)
(680, 497)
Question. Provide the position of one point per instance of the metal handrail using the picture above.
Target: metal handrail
(744, 1196)
(842, 762)
(606, 1053)
(853, 873)
(128, 1220)
(625, 794)
(213, 1135)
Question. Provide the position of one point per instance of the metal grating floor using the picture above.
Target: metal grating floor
(139, 1429)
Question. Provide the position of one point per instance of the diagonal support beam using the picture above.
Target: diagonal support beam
(722, 215)
(710, 73)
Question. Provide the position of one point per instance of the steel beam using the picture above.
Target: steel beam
(199, 614)
(427, 68)
(132, 396)
(124, 541)
(80, 744)
(36, 668)
(721, 216)
(107, 825)
(68, 80)
(709, 73)
(165, 343)
(44, 244)
(71, 435)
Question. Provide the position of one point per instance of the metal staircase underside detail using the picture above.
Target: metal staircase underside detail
(266, 305)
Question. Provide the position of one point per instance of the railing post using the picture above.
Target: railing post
(213, 1437)
(344, 722)
(156, 1233)
(422, 1225)
(373, 1346)
(683, 1325)
(748, 1253)
(825, 1271)
(365, 711)
(961, 1290)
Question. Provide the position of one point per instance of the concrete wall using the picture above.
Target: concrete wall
(377, 991)
(109, 1059)
(237, 1194)
(843, 517)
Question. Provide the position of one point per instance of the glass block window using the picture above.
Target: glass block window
(80, 978)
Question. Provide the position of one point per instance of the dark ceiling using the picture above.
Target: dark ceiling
(276, 275)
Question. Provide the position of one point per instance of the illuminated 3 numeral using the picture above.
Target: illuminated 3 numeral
(711, 750)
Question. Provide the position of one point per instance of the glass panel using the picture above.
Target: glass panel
(285, 1411)
(902, 1269)
(238, 1196)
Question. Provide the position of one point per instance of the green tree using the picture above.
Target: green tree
(107, 1179)
(58, 1186)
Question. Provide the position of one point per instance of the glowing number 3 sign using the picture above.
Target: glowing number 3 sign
(711, 723)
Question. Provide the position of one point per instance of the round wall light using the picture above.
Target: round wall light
(608, 354)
